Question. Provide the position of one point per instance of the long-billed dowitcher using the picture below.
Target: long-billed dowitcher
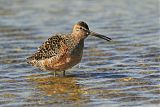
(63, 50)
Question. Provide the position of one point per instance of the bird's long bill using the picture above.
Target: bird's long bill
(99, 36)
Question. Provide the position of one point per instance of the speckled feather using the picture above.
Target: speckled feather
(51, 48)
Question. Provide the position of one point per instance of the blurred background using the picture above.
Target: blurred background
(121, 73)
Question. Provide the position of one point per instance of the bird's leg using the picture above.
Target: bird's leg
(64, 73)
(54, 73)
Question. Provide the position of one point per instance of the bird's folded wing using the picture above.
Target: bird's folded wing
(53, 47)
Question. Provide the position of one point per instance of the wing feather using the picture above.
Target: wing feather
(48, 49)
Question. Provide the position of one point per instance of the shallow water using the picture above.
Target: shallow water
(121, 73)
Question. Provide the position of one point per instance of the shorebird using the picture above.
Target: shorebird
(63, 50)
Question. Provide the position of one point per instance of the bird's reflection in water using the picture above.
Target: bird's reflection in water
(61, 89)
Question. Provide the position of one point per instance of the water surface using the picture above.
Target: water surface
(121, 73)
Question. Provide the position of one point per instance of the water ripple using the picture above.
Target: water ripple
(123, 72)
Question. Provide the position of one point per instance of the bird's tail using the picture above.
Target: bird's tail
(31, 61)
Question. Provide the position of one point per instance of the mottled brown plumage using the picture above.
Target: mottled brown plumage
(62, 51)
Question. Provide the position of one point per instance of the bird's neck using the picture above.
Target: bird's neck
(77, 38)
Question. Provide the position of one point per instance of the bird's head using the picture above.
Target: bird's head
(81, 29)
